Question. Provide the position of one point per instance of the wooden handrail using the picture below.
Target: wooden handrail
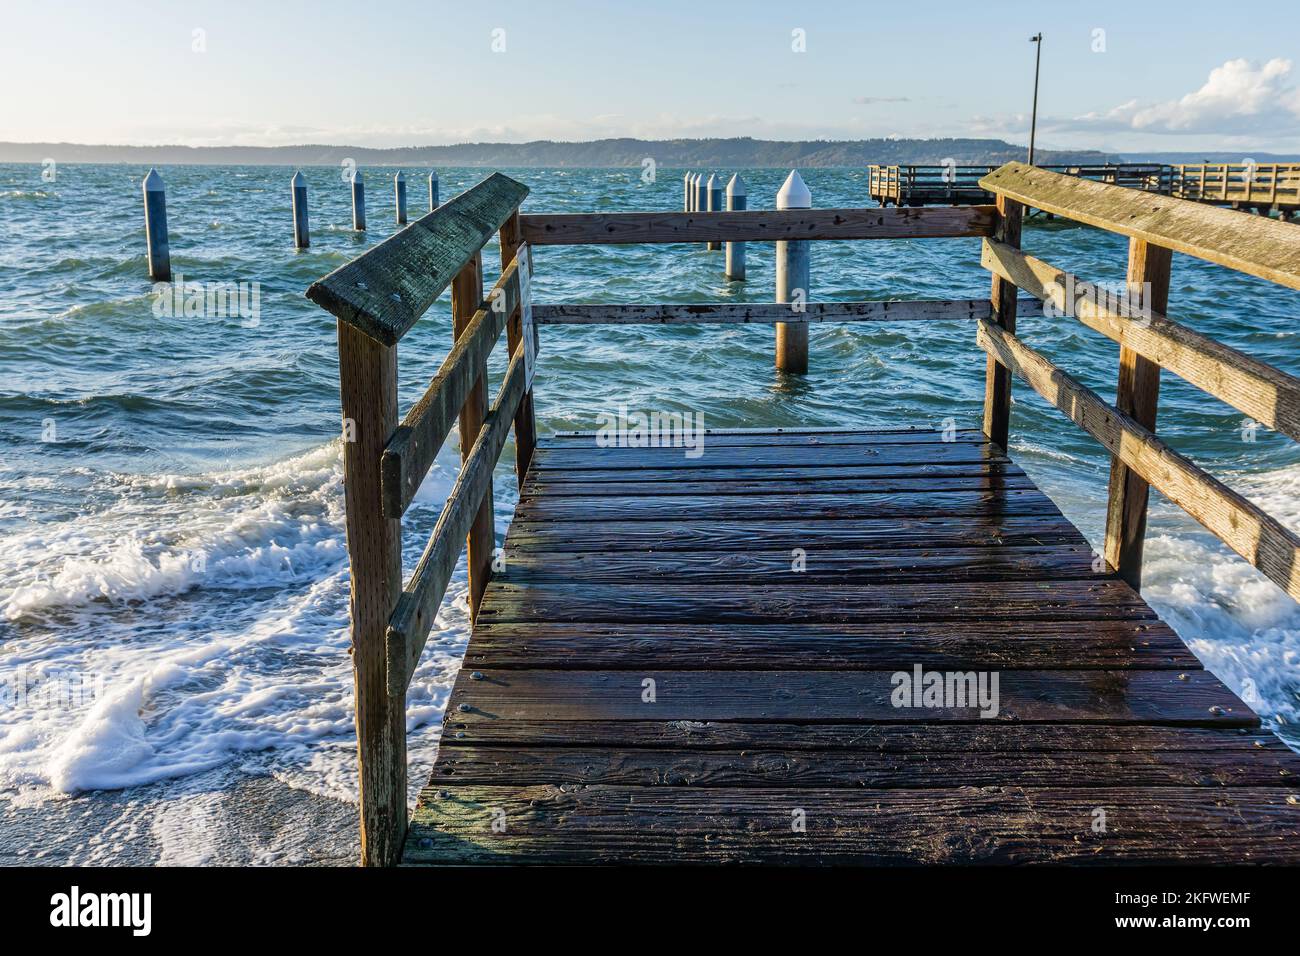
(756, 225)
(1237, 522)
(767, 313)
(414, 445)
(385, 291)
(409, 625)
(1256, 246)
(1267, 394)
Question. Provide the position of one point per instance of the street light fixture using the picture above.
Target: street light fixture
(1033, 120)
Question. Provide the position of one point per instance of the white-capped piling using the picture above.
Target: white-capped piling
(155, 227)
(358, 202)
(735, 267)
(399, 197)
(686, 192)
(301, 234)
(701, 196)
(713, 192)
(792, 281)
(433, 191)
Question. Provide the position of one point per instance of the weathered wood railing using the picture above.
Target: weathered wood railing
(380, 295)
(1156, 226)
(376, 299)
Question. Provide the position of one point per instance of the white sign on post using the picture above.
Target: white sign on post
(528, 332)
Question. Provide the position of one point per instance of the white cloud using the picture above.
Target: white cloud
(1238, 98)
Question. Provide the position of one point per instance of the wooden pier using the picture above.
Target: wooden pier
(720, 657)
(1259, 187)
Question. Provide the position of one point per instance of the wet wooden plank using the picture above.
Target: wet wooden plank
(797, 438)
(808, 507)
(556, 456)
(475, 729)
(991, 530)
(1092, 645)
(962, 825)
(956, 601)
(752, 767)
(976, 478)
(885, 566)
(557, 479)
(1196, 698)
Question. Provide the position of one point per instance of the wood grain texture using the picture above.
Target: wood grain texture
(1256, 246)
(759, 225)
(1266, 394)
(959, 826)
(1137, 395)
(767, 313)
(418, 439)
(1003, 304)
(368, 390)
(511, 240)
(1062, 644)
(676, 658)
(384, 291)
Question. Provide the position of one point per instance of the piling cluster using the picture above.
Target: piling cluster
(155, 214)
(792, 257)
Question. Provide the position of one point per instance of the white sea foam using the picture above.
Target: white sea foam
(210, 620)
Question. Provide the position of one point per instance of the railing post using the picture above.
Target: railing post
(1139, 389)
(735, 254)
(997, 377)
(793, 276)
(466, 299)
(368, 388)
(525, 420)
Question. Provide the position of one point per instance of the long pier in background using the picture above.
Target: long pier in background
(1258, 187)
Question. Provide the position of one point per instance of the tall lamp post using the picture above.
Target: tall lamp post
(1033, 119)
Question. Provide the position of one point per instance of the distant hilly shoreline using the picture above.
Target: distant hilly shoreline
(739, 152)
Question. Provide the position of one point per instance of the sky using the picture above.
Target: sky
(1115, 76)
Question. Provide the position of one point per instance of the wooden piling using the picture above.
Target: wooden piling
(301, 233)
(793, 276)
(433, 190)
(735, 261)
(713, 191)
(155, 228)
(399, 197)
(702, 199)
(358, 202)
(686, 192)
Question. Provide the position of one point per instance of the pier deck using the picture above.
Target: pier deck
(691, 660)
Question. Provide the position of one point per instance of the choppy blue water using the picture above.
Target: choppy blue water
(179, 541)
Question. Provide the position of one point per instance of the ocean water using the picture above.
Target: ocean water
(173, 600)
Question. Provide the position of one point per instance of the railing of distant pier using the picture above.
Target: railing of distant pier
(934, 182)
(380, 295)
(1257, 183)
